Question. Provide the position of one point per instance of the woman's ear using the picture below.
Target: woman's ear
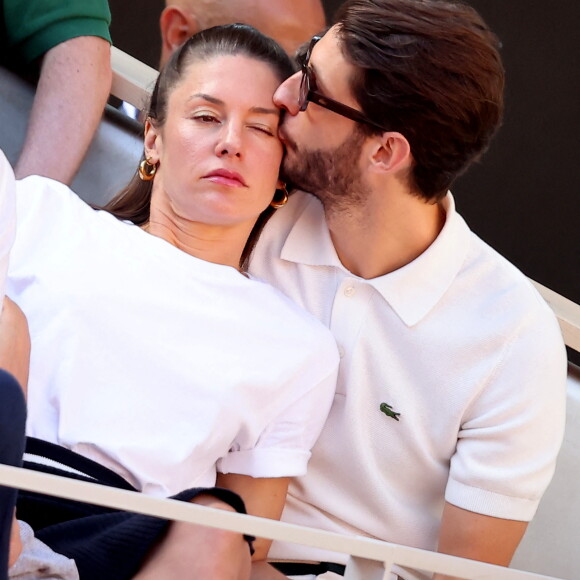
(152, 142)
(176, 25)
(391, 153)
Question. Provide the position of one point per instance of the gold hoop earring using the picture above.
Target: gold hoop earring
(283, 200)
(147, 170)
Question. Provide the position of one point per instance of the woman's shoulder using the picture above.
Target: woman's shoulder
(291, 319)
(45, 203)
(35, 193)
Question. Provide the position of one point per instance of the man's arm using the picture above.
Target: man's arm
(72, 91)
(478, 537)
(264, 497)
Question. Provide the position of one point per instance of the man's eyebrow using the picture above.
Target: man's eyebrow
(215, 101)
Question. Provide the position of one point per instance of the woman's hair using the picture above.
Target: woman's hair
(133, 203)
(431, 70)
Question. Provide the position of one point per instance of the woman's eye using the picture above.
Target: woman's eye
(263, 129)
(206, 118)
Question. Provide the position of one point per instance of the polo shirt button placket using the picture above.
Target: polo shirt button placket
(349, 291)
(346, 316)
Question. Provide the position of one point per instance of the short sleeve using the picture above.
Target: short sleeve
(7, 219)
(283, 449)
(508, 444)
(36, 26)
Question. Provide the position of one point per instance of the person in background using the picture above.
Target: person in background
(450, 405)
(288, 22)
(66, 46)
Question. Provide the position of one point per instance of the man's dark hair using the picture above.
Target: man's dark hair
(431, 70)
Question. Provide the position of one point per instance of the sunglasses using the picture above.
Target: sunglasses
(309, 93)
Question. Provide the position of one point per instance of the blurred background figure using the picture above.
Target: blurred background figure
(289, 22)
(66, 47)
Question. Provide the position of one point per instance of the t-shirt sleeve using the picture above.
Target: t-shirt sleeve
(7, 219)
(35, 26)
(283, 448)
(508, 444)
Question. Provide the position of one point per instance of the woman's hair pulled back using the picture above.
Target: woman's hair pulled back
(133, 203)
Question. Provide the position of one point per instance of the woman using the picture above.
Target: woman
(153, 353)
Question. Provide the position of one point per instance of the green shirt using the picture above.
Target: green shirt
(30, 28)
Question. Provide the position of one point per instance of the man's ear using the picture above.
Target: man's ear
(176, 26)
(391, 153)
(152, 142)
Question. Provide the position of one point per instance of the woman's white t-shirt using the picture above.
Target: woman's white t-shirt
(161, 366)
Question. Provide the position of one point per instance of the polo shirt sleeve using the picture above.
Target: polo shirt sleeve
(512, 432)
(7, 219)
(283, 448)
(35, 26)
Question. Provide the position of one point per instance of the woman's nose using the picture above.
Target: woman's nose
(230, 142)
(288, 93)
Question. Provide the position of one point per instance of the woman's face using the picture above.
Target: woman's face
(218, 151)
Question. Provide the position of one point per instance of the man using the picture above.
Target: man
(449, 410)
(290, 22)
(69, 44)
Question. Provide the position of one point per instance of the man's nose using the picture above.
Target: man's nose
(288, 93)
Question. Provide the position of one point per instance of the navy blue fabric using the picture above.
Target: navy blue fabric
(12, 424)
(307, 569)
(104, 543)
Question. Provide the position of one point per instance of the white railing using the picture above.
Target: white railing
(368, 559)
(133, 80)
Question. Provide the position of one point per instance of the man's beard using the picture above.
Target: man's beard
(333, 176)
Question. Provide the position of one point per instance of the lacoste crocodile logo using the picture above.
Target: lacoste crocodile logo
(388, 411)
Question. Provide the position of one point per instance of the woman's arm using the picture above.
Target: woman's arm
(264, 497)
(14, 342)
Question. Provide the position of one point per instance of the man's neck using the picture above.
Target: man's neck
(382, 237)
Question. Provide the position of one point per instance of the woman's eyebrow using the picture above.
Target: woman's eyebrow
(265, 110)
(208, 98)
(215, 101)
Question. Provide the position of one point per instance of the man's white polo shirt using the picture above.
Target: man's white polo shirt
(451, 384)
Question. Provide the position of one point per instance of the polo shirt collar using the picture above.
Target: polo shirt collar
(309, 240)
(413, 290)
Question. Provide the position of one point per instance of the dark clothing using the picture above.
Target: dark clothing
(105, 543)
(30, 29)
(12, 424)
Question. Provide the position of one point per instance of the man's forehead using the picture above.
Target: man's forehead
(334, 73)
(327, 50)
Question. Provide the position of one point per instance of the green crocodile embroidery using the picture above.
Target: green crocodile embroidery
(388, 411)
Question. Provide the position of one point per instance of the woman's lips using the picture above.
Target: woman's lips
(225, 177)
